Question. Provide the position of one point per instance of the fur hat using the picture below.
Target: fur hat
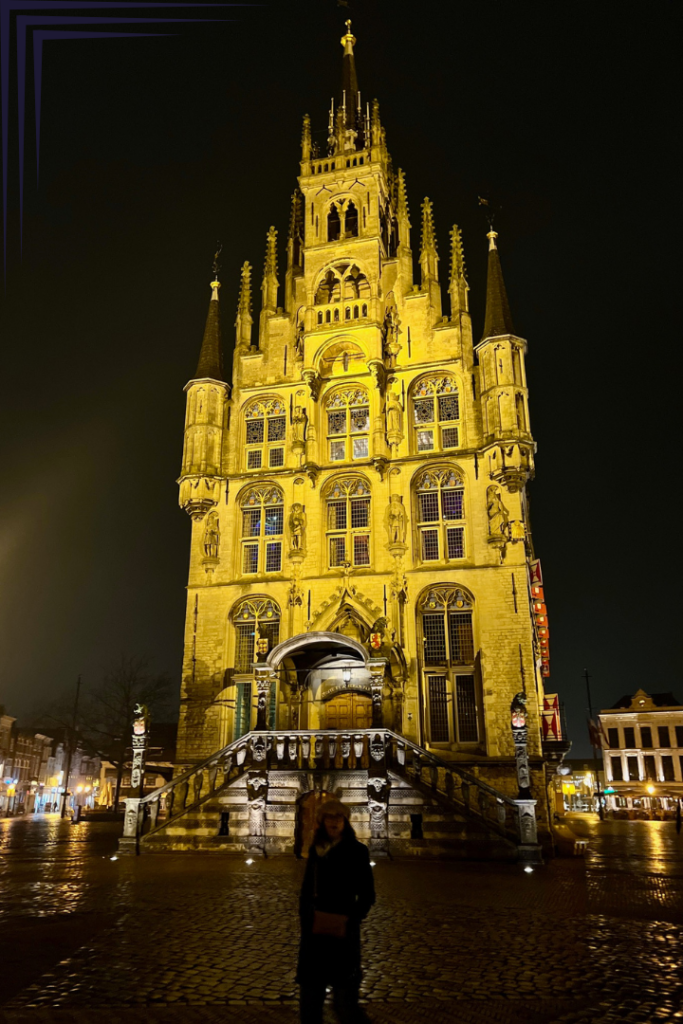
(333, 807)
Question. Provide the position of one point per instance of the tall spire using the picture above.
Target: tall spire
(244, 318)
(429, 259)
(211, 356)
(402, 211)
(349, 79)
(458, 286)
(498, 319)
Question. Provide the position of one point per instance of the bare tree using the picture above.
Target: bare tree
(107, 714)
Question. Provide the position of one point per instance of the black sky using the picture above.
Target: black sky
(152, 148)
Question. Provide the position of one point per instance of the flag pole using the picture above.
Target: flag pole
(592, 731)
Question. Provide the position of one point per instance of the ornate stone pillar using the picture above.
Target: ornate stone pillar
(128, 843)
(529, 850)
(379, 786)
(265, 678)
(257, 796)
(377, 669)
(140, 734)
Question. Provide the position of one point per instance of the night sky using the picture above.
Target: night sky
(566, 115)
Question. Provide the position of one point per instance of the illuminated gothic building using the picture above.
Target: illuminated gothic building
(359, 611)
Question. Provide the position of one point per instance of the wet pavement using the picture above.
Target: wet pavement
(201, 937)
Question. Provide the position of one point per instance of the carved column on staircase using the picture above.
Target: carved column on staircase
(257, 795)
(379, 786)
(377, 669)
(265, 678)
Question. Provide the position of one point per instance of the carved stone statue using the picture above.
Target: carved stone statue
(299, 421)
(212, 537)
(395, 520)
(391, 332)
(497, 513)
(297, 526)
(394, 420)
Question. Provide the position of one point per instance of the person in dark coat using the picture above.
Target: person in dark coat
(338, 881)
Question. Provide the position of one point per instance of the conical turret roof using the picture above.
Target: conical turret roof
(211, 356)
(498, 319)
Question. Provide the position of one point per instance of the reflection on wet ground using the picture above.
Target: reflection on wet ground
(208, 930)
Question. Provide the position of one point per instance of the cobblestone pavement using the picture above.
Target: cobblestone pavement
(189, 938)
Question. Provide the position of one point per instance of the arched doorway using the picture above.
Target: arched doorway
(349, 711)
(306, 823)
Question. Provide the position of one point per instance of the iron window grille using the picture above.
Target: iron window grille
(266, 431)
(440, 516)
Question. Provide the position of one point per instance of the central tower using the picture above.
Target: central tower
(360, 540)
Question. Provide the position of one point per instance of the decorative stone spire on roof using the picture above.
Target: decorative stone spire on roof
(458, 286)
(244, 318)
(498, 319)
(349, 79)
(306, 143)
(403, 210)
(210, 363)
(270, 282)
(429, 259)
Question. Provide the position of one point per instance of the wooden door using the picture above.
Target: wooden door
(349, 711)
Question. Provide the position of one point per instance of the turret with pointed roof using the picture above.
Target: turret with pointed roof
(210, 363)
(498, 319)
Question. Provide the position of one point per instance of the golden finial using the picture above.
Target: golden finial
(349, 40)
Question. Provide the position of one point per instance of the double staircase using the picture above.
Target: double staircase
(404, 800)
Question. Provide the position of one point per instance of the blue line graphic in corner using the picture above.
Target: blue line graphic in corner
(46, 20)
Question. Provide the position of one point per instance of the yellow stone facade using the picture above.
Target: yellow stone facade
(369, 461)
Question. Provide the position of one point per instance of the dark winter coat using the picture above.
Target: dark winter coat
(343, 882)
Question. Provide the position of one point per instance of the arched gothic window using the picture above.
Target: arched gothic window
(351, 224)
(436, 411)
(451, 688)
(348, 522)
(333, 224)
(266, 429)
(343, 280)
(348, 425)
(440, 515)
(254, 618)
(263, 528)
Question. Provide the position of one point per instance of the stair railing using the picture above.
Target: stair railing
(331, 749)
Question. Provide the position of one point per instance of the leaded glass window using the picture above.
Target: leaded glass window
(440, 516)
(254, 618)
(452, 692)
(436, 414)
(348, 523)
(348, 425)
(266, 429)
(263, 530)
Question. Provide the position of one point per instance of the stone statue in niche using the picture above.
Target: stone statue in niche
(297, 526)
(395, 520)
(390, 331)
(497, 513)
(299, 421)
(212, 536)
(394, 420)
